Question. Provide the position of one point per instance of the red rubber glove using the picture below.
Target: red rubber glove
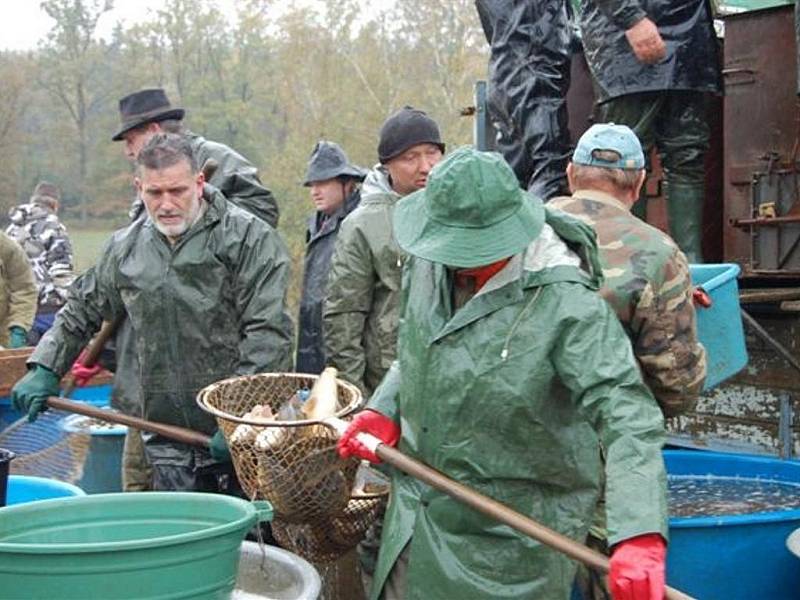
(637, 568)
(372, 422)
(82, 373)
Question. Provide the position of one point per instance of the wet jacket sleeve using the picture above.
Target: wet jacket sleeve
(664, 334)
(262, 279)
(384, 399)
(20, 285)
(92, 299)
(594, 360)
(624, 13)
(238, 180)
(351, 282)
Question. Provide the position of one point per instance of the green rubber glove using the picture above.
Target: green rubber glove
(218, 447)
(29, 394)
(17, 337)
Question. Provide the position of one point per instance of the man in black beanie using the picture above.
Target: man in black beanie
(360, 314)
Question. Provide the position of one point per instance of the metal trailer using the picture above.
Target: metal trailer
(751, 217)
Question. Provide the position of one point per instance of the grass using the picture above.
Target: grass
(86, 245)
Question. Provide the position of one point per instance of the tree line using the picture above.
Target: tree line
(267, 82)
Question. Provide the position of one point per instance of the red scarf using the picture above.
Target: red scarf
(478, 276)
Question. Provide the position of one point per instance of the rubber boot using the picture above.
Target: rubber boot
(685, 211)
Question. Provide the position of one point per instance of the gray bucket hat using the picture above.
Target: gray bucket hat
(145, 106)
(471, 213)
(327, 161)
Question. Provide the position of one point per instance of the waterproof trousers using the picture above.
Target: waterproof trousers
(529, 72)
(674, 121)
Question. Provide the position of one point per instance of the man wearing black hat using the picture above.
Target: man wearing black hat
(361, 308)
(335, 191)
(147, 112)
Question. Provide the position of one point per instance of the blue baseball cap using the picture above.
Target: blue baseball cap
(608, 136)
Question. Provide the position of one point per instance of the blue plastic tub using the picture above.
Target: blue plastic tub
(737, 557)
(719, 326)
(22, 488)
(102, 471)
(96, 395)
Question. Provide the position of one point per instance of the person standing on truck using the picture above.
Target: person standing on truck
(529, 74)
(652, 61)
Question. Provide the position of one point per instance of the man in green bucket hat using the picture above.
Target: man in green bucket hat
(512, 377)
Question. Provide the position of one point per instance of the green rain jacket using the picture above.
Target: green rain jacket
(514, 395)
(361, 307)
(210, 307)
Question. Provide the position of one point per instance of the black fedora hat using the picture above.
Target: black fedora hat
(145, 106)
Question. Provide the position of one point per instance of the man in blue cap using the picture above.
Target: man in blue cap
(646, 280)
(512, 374)
(334, 187)
(646, 276)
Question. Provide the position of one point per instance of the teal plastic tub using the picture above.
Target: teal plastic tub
(719, 326)
(22, 488)
(143, 546)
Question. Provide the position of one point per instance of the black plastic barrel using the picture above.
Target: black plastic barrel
(6, 456)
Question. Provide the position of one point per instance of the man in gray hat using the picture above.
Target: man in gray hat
(360, 314)
(512, 375)
(36, 227)
(335, 191)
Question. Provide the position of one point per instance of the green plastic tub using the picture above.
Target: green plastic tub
(147, 546)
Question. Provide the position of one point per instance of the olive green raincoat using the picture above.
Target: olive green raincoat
(360, 312)
(513, 395)
(18, 293)
(210, 307)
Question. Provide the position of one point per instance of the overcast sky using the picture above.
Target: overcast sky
(23, 23)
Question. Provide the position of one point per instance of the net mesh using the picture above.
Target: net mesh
(44, 449)
(294, 465)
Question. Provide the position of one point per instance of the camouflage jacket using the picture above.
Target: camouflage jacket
(360, 313)
(17, 289)
(648, 285)
(44, 238)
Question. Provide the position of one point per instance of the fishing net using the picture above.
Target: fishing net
(327, 540)
(45, 449)
(292, 464)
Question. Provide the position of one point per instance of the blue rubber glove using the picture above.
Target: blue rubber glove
(17, 337)
(29, 394)
(218, 447)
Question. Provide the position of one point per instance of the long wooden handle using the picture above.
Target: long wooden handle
(93, 351)
(488, 506)
(173, 432)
